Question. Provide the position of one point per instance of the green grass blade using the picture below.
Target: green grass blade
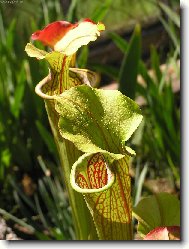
(71, 11)
(48, 201)
(121, 43)
(140, 183)
(10, 35)
(40, 212)
(45, 12)
(110, 71)
(2, 30)
(155, 64)
(47, 138)
(171, 33)
(42, 236)
(19, 93)
(101, 12)
(145, 75)
(15, 219)
(174, 169)
(129, 68)
(22, 195)
(170, 13)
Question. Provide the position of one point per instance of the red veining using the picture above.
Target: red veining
(82, 181)
(62, 74)
(96, 171)
(127, 211)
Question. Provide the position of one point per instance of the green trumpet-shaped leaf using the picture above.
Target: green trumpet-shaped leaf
(106, 188)
(159, 210)
(97, 120)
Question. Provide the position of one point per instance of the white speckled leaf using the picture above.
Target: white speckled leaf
(97, 120)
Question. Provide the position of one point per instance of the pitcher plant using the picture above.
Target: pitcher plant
(90, 128)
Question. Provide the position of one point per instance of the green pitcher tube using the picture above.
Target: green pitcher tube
(68, 154)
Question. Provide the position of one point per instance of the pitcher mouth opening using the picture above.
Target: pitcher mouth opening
(84, 77)
(39, 89)
(44, 87)
(92, 175)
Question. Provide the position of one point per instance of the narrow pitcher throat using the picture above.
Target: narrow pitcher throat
(61, 80)
(58, 79)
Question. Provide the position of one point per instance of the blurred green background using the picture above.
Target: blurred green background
(138, 54)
